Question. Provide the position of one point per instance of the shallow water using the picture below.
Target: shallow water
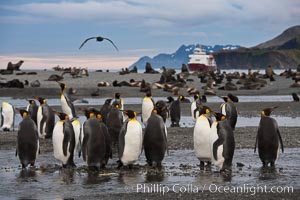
(50, 181)
(136, 100)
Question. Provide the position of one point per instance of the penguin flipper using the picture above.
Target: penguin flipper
(66, 141)
(16, 152)
(165, 139)
(280, 139)
(83, 148)
(2, 118)
(216, 144)
(122, 140)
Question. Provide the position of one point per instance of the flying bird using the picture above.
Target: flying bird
(99, 39)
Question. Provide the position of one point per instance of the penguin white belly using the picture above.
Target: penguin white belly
(193, 107)
(133, 143)
(65, 107)
(202, 139)
(57, 139)
(213, 137)
(223, 109)
(76, 127)
(8, 115)
(39, 119)
(38, 149)
(147, 108)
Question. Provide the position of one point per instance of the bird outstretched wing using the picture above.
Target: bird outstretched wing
(86, 41)
(112, 43)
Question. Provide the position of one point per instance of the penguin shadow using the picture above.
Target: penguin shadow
(268, 173)
(67, 175)
(27, 174)
(155, 174)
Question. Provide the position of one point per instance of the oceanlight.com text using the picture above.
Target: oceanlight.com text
(212, 188)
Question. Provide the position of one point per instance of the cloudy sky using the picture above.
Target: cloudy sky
(46, 33)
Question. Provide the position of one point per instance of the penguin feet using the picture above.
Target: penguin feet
(6, 129)
(201, 165)
(120, 164)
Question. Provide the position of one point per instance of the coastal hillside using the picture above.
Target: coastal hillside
(175, 60)
(281, 52)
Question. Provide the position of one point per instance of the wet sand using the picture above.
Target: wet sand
(178, 138)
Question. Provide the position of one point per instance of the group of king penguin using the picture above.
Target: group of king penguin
(214, 134)
(112, 125)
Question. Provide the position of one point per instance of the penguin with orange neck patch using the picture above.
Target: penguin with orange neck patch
(201, 138)
(27, 140)
(66, 103)
(130, 140)
(94, 147)
(268, 138)
(155, 139)
(229, 110)
(175, 111)
(64, 141)
(114, 122)
(222, 143)
(45, 119)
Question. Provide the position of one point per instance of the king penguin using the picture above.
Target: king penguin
(229, 110)
(130, 140)
(63, 139)
(194, 106)
(222, 143)
(45, 119)
(27, 140)
(119, 100)
(175, 111)
(32, 109)
(155, 139)
(8, 116)
(114, 122)
(162, 109)
(147, 107)
(93, 144)
(268, 138)
(105, 109)
(98, 115)
(202, 130)
(66, 104)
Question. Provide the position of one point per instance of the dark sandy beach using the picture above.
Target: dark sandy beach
(178, 138)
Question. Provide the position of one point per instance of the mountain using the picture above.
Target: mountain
(181, 56)
(284, 37)
(281, 52)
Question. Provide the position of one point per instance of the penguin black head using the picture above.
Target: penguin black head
(41, 100)
(130, 113)
(233, 98)
(23, 113)
(204, 110)
(62, 86)
(267, 111)
(181, 97)
(94, 112)
(31, 101)
(170, 99)
(148, 94)
(108, 101)
(196, 95)
(116, 104)
(117, 95)
(88, 113)
(219, 116)
(62, 116)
